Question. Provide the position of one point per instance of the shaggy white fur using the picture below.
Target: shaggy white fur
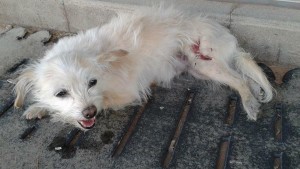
(114, 65)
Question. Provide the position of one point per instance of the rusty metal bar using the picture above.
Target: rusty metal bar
(231, 110)
(278, 160)
(123, 141)
(186, 108)
(10, 100)
(73, 137)
(224, 153)
(28, 131)
(8, 104)
(67, 146)
(278, 122)
(15, 67)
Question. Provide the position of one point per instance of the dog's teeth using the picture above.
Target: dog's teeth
(87, 123)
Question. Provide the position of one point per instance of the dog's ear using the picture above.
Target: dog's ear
(112, 56)
(24, 84)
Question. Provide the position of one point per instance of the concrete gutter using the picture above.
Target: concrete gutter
(270, 33)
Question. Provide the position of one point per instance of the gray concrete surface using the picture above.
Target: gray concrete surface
(15, 46)
(48, 14)
(281, 3)
(271, 33)
(252, 147)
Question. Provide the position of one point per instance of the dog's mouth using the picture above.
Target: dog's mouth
(87, 124)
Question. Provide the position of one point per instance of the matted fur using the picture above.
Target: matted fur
(128, 54)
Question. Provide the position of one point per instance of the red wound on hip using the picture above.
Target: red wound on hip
(196, 50)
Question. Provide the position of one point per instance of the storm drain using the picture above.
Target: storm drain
(224, 149)
(226, 142)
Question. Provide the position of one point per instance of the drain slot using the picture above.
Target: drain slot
(28, 131)
(67, 146)
(125, 138)
(186, 108)
(278, 122)
(231, 110)
(224, 152)
(278, 160)
(8, 104)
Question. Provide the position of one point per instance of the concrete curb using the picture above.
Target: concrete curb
(271, 33)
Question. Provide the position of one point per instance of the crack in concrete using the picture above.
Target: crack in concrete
(278, 53)
(234, 7)
(66, 16)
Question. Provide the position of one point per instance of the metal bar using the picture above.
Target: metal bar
(278, 160)
(123, 141)
(28, 131)
(186, 108)
(67, 146)
(15, 67)
(223, 153)
(231, 110)
(73, 137)
(278, 122)
(10, 101)
(8, 104)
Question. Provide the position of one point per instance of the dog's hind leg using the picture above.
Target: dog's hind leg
(34, 111)
(220, 72)
(260, 86)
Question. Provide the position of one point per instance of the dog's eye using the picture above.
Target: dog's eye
(62, 93)
(92, 83)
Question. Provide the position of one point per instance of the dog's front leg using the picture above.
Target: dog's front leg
(35, 111)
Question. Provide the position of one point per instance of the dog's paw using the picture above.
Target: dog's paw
(261, 96)
(34, 112)
(251, 106)
(258, 92)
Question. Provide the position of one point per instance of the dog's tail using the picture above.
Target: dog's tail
(250, 70)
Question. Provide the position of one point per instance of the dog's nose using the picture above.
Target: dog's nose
(89, 112)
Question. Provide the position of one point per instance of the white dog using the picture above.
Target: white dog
(114, 65)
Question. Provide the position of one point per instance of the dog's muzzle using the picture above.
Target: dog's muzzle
(89, 113)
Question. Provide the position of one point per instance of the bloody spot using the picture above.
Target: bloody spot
(196, 50)
(204, 57)
(196, 47)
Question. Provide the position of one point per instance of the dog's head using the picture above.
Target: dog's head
(68, 84)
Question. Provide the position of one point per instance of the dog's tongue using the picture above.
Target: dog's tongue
(88, 123)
